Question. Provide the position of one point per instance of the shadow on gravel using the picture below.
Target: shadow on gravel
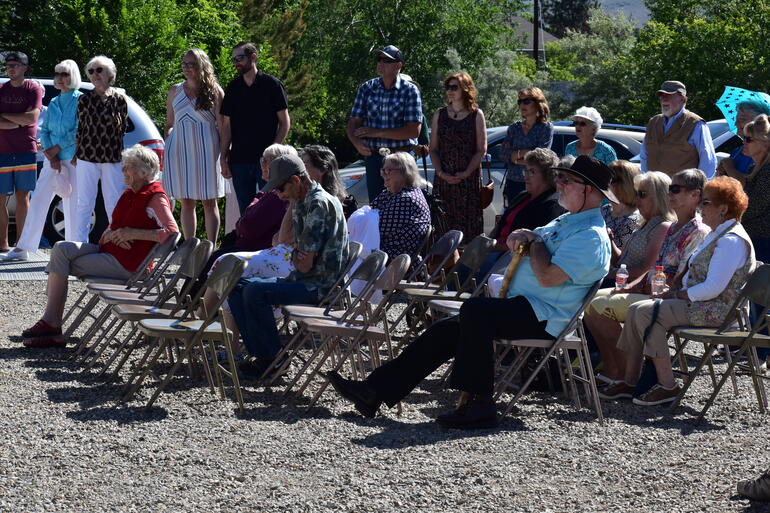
(398, 435)
(119, 414)
(753, 506)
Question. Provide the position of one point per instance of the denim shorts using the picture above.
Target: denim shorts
(18, 172)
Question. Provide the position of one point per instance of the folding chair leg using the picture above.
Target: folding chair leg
(707, 350)
(105, 343)
(99, 340)
(712, 398)
(316, 351)
(169, 376)
(128, 349)
(143, 367)
(84, 312)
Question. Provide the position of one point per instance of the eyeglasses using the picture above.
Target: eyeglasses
(95, 70)
(642, 194)
(238, 58)
(385, 171)
(580, 123)
(565, 180)
(13, 65)
(451, 87)
(524, 101)
(188, 65)
(385, 59)
(676, 188)
(62, 74)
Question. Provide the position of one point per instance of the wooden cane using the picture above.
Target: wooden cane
(511, 269)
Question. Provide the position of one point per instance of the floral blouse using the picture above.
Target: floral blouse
(622, 226)
(679, 245)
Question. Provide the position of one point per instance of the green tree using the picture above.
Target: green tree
(561, 16)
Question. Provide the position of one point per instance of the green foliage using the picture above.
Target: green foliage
(561, 16)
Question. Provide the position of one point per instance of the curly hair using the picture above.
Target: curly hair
(206, 79)
(535, 93)
(467, 87)
(546, 160)
(144, 159)
(728, 191)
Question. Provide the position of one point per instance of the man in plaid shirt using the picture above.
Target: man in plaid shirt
(387, 113)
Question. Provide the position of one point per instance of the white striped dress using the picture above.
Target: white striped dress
(191, 169)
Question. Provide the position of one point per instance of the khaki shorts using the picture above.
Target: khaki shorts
(614, 306)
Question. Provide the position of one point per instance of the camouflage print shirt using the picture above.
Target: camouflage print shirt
(319, 226)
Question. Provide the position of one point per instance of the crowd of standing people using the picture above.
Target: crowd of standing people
(583, 219)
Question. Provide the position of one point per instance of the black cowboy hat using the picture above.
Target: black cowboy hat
(596, 173)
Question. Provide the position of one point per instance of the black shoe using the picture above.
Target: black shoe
(363, 397)
(252, 369)
(475, 414)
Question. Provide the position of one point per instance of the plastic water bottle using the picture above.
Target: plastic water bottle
(621, 277)
(658, 281)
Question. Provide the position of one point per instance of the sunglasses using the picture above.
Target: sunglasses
(565, 180)
(188, 65)
(452, 87)
(62, 74)
(238, 58)
(676, 188)
(524, 101)
(580, 123)
(95, 70)
(642, 194)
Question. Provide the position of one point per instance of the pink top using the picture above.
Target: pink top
(159, 210)
(17, 100)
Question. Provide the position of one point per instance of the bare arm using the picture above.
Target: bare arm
(170, 110)
(303, 260)
(284, 124)
(360, 145)
(435, 146)
(22, 118)
(285, 234)
(409, 131)
(224, 147)
(481, 145)
(7, 125)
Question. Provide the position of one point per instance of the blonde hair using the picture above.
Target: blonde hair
(659, 183)
(759, 129)
(406, 164)
(207, 80)
(623, 174)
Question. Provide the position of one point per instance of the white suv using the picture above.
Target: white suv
(140, 130)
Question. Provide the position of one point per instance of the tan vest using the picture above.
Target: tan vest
(713, 311)
(669, 152)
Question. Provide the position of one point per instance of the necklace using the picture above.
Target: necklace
(454, 112)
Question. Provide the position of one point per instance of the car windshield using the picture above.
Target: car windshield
(717, 127)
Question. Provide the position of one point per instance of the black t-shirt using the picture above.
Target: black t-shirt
(252, 111)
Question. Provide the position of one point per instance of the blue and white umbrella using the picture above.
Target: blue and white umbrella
(732, 97)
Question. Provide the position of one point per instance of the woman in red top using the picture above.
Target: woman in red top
(142, 217)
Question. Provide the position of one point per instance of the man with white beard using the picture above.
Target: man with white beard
(676, 138)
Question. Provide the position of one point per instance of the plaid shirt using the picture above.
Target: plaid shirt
(388, 108)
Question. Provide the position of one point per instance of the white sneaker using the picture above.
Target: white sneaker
(16, 254)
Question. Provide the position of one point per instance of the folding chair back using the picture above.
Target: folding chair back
(415, 257)
(369, 270)
(354, 251)
(470, 261)
(223, 278)
(441, 251)
(393, 274)
(157, 255)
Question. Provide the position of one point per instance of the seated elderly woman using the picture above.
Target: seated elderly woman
(403, 210)
(587, 121)
(142, 217)
(535, 206)
(700, 296)
(566, 257)
(609, 308)
(622, 218)
(641, 249)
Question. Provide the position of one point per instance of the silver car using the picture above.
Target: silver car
(140, 130)
(625, 140)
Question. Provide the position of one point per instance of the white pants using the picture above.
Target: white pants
(41, 201)
(89, 174)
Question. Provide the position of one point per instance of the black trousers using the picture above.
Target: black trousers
(468, 338)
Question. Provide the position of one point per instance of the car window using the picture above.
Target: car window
(494, 153)
(729, 145)
(560, 142)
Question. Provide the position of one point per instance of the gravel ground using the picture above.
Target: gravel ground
(69, 447)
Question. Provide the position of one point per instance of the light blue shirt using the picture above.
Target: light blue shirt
(60, 125)
(700, 139)
(580, 246)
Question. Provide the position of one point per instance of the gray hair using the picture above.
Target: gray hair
(659, 183)
(107, 63)
(276, 149)
(145, 160)
(693, 179)
(406, 164)
(71, 67)
(546, 160)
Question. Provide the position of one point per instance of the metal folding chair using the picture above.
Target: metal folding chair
(747, 336)
(571, 339)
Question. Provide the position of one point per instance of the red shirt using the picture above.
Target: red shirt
(505, 229)
(17, 100)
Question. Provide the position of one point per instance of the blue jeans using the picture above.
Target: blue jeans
(374, 181)
(251, 303)
(247, 180)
